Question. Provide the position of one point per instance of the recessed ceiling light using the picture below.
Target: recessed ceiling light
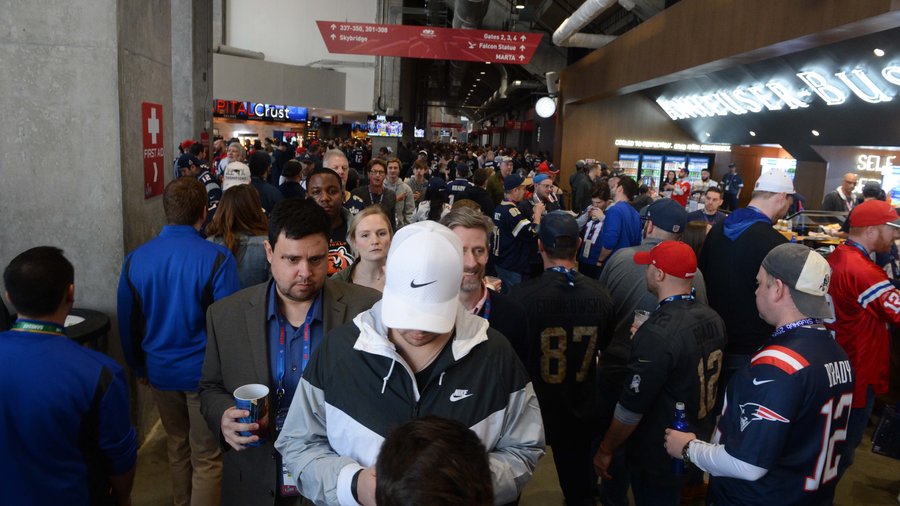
(487, 63)
(707, 134)
(815, 132)
(752, 133)
(878, 52)
(482, 72)
(478, 79)
(520, 6)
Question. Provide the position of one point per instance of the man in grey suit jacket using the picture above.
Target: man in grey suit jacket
(265, 334)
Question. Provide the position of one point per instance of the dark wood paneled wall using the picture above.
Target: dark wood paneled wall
(591, 129)
(695, 37)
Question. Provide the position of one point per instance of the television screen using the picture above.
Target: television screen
(788, 165)
(385, 126)
(419, 133)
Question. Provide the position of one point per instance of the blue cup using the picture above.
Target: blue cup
(255, 399)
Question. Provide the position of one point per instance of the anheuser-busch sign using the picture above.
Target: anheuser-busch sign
(869, 84)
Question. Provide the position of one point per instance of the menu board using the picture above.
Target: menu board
(788, 165)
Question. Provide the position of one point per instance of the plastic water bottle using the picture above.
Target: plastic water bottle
(680, 423)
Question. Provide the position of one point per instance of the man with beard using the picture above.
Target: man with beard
(266, 334)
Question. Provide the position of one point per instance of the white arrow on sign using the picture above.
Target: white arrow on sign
(333, 37)
(333, 26)
(522, 47)
(155, 172)
(521, 57)
(522, 38)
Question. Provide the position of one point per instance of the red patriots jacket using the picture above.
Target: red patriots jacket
(865, 302)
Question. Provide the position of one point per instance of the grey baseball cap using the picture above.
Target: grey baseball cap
(807, 275)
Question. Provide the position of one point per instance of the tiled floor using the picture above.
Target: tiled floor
(872, 481)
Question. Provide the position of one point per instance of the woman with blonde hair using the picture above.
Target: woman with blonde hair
(370, 236)
(241, 226)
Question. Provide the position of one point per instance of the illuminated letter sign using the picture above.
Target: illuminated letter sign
(259, 111)
(833, 88)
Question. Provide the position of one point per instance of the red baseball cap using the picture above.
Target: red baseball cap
(187, 143)
(675, 258)
(872, 213)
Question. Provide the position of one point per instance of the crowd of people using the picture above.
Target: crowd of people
(427, 321)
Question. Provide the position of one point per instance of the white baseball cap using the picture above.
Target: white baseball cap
(422, 278)
(775, 181)
(236, 173)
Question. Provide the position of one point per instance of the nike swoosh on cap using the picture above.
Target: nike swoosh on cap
(413, 284)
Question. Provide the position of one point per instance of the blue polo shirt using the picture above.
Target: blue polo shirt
(293, 341)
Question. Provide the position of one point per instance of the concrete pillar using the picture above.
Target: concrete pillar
(192, 35)
(71, 148)
(59, 144)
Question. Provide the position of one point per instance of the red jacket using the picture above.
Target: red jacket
(865, 302)
(682, 192)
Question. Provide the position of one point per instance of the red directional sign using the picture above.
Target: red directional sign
(429, 42)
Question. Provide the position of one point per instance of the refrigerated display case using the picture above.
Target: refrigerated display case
(651, 169)
(674, 163)
(695, 165)
(629, 163)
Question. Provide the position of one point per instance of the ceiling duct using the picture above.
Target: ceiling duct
(468, 15)
(567, 34)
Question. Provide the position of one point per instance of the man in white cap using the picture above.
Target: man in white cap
(417, 352)
(781, 434)
(730, 259)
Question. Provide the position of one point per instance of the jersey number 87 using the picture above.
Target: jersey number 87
(554, 360)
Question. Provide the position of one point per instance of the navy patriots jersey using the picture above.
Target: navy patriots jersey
(787, 413)
(516, 237)
(457, 189)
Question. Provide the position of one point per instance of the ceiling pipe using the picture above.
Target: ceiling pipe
(582, 16)
(467, 15)
(506, 90)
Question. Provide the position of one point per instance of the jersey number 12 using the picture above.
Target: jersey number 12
(826, 463)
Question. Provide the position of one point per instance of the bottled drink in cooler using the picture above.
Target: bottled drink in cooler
(680, 423)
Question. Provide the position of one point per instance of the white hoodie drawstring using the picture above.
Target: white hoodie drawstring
(385, 379)
(441, 380)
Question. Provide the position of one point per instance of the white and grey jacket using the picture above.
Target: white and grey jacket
(357, 388)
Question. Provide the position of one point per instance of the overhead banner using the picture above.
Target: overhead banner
(429, 42)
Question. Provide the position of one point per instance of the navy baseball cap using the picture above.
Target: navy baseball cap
(436, 183)
(186, 160)
(558, 230)
(513, 181)
(667, 215)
